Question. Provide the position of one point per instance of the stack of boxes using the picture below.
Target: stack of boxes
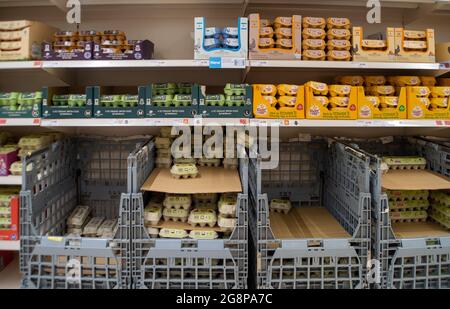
(440, 208)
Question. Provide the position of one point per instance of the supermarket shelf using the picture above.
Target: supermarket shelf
(10, 276)
(11, 180)
(307, 123)
(9, 245)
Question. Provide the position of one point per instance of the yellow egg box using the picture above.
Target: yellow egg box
(415, 46)
(366, 50)
(315, 108)
(368, 109)
(419, 107)
(255, 52)
(262, 108)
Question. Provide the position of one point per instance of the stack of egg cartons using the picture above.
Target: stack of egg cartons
(408, 206)
(227, 206)
(163, 144)
(440, 208)
(339, 39)
(227, 38)
(77, 220)
(153, 213)
(314, 35)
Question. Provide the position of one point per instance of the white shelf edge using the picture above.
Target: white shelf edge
(11, 180)
(156, 122)
(161, 63)
(9, 245)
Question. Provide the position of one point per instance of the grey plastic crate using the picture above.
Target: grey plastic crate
(415, 263)
(312, 174)
(87, 171)
(185, 263)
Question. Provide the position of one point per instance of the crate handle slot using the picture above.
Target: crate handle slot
(315, 244)
(433, 242)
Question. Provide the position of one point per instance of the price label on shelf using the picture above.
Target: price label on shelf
(37, 64)
(443, 123)
(3, 121)
(226, 63)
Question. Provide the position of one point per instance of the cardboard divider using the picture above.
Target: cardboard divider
(419, 229)
(414, 180)
(306, 222)
(209, 180)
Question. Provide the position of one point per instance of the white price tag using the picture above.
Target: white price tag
(233, 63)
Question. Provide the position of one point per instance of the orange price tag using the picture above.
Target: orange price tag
(37, 64)
(2, 121)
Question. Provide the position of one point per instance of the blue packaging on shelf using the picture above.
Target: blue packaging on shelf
(212, 43)
(231, 43)
(230, 32)
(213, 32)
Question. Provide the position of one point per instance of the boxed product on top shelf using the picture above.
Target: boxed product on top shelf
(310, 217)
(406, 175)
(19, 39)
(207, 214)
(87, 211)
(279, 101)
(326, 39)
(374, 49)
(424, 99)
(415, 46)
(9, 213)
(8, 153)
(20, 104)
(95, 45)
(220, 42)
(67, 102)
(377, 99)
(287, 32)
(172, 100)
(324, 101)
(232, 101)
(120, 102)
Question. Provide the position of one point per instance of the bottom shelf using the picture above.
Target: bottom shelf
(306, 222)
(10, 276)
(419, 229)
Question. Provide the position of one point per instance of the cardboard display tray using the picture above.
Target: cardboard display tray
(185, 226)
(306, 222)
(209, 180)
(414, 180)
(419, 229)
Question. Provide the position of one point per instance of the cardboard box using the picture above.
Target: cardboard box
(153, 111)
(275, 53)
(32, 110)
(48, 53)
(418, 110)
(52, 111)
(21, 39)
(13, 232)
(200, 52)
(403, 55)
(6, 159)
(143, 93)
(244, 111)
(373, 55)
(263, 109)
(443, 52)
(142, 49)
(366, 109)
(414, 180)
(209, 180)
(315, 110)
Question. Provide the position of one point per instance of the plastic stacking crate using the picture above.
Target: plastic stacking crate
(186, 263)
(410, 263)
(312, 174)
(71, 172)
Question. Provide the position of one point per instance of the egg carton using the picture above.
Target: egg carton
(422, 204)
(206, 206)
(78, 216)
(152, 214)
(163, 142)
(210, 162)
(70, 100)
(235, 89)
(227, 204)
(153, 232)
(402, 163)
(173, 233)
(177, 201)
(164, 89)
(225, 223)
(107, 228)
(199, 234)
(171, 214)
(202, 218)
(92, 227)
(441, 216)
(185, 161)
(281, 206)
(441, 197)
(402, 195)
(408, 216)
(167, 100)
(119, 100)
(165, 132)
(185, 171)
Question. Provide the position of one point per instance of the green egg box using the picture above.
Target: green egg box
(215, 100)
(77, 100)
(30, 98)
(235, 89)
(163, 100)
(9, 98)
(130, 100)
(164, 88)
(60, 100)
(184, 88)
(235, 100)
(182, 100)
